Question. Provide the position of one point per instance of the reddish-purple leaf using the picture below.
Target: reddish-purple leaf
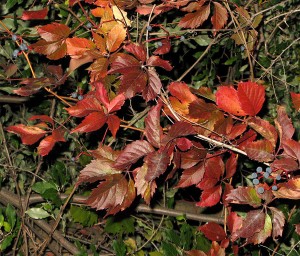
(92, 122)
(278, 221)
(116, 103)
(200, 109)
(244, 195)
(193, 156)
(296, 100)
(195, 19)
(234, 222)
(43, 118)
(158, 62)
(157, 162)
(35, 15)
(29, 134)
(164, 48)
(286, 163)
(191, 176)
(33, 85)
(47, 144)
(264, 128)
(231, 165)
(291, 148)
(154, 86)
(105, 152)
(133, 152)
(153, 130)
(284, 124)
(261, 150)
(219, 18)
(261, 236)
(236, 131)
(179, 129)
(210, 197)
(137, 50)
(213, 231)
(113, 123)
(183, 144)
(144, 188)
(101, 94)
(289, 190)
(124, 63)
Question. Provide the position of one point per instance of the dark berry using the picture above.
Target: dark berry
(89, 25)
(278, 177)
(253, 175)
(266, 175)
(260, 190)
(23, 47)
(259, 169)
(255, 181)
(182, 38)
(274, 187)
(159, 44)
(269, 170)
(74, 94)
(15, 53)
(80, 97)
(242, 48)
(149, 28)
(14, 37)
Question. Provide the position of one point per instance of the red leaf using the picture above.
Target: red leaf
(43, 118)
(264, 128)
(210, 197)
(195, 19)
(33, 85)
(195, 253)
(113, 123)
(153, 130)
(191, 176)
(92, 122)
(192, 157)
(287, 164)
(48, 143)
(105, 152)
(244, 195)
(236, 131)
(284, 124)
(137, 50)
(179, 129)
(200, 109)
(219, 18)
(116, 103)
(296, 100)
(290, 189)
(291, 148)
(251, 96)
(101, 94)
(154, 86)
(183, 144)
(158, 62)
(254, 222)
(261, 150)
(35, 15)
(234, 222)
(133, 152)
(29, 134)
(98, 69)
(115, 37)
(78, 46)
(182, 92)
(164, 48)
(157, 162)
(227, 99)
(144, 188)
(54, 32)
(278, 221)
(213, 231)
(231, 165)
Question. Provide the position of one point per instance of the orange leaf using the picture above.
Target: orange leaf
(195, 19)
(115, 37)
(77, 46)
(219, 18)
(35, 15)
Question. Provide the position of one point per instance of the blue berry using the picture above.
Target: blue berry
(89, 25)
(259, 169)
(23, 47)
(14, 37)
(80, 97)
(278, 177)
(266, 175)
(149, 28)
(274, 187)
(74, 94)
(255, 181)
(269, 170)
(242, 48)
(159, 44)
(260, 190)
(253, 175)
(182, 38)
(73, 159)
(15, 53)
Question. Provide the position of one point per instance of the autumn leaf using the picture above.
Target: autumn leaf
(261, 150)
(182, 92)
(32, 86)
(291, 148)
(35, 15)
(164, 48)
(210, 197)
(213, 231)
(191, 176)
(219, 17)
(195, 19)
(284, 124)
(289, 190)
(244, 195)
(231, 165)
(47, 144)
(261, 236)
(179, 129)
(296, 100)
(193, 156)
(115, 37)
(278, 220)
(234, 222)
(286, 164)
(76, 46)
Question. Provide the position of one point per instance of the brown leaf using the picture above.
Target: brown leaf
(260, 150)
(278, 221)
(191, 176)
(219, 18)
(195, 19)
(244, 195)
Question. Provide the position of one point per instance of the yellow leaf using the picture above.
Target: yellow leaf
(121, 15)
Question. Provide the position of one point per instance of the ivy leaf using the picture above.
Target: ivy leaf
(164, 48)
(53, 42)
(190, 158)
(76, 46)
(179, 129)
(182, 92)
(35, 15)
(263, 234)
(286, 163)
(133, 152)
(37, 213)
(183, 144)
(210, 197)
(32, 86)
(115, 37)
(137, 50)
(291, 148)
(296, 100)
(157, 162)
(219, 18)
(191, 176)
(234, 223)
(29, 134)
(290, 189)
(154, 86)
(278, 221)
(144, 188)
(158, 62)
(231, 165)
(261, 150)
(284, 124)
(244, 195)
(92, 122)
(47, 144)
(153, 130)
(195, 19)
(213, 231)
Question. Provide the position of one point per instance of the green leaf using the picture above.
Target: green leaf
(52, 195)
(119, 247)
(11, 3)
(186, 236)
(6, 242)
(169, 249)
(7, 226)
(83, 216)
(37, 213)
(116, 225)
(59, 174)
(173, 237)
(1, 220)
(41, 187)
(11, 215)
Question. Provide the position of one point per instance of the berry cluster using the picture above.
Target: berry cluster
(264, 175)
(22, 46)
